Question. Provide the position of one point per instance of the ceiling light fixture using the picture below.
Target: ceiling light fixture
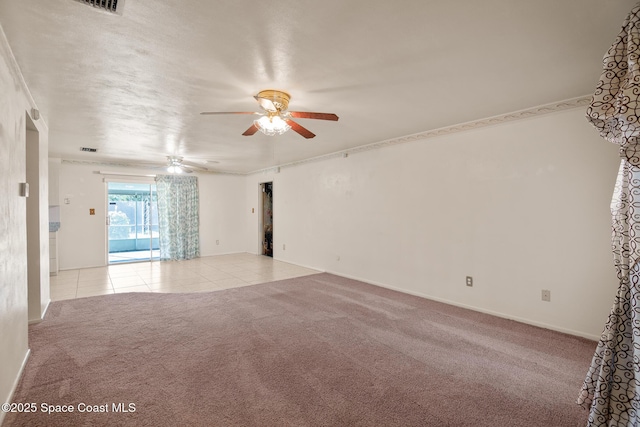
(175, 165)
(276, 118)
(272, 124)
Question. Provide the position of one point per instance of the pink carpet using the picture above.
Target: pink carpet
(319, 350)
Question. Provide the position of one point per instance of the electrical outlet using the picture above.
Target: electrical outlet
(469, 281)
(546, 295)
(283, 247)
(338, 258)
(217, 242)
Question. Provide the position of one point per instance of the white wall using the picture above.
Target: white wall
(522, 206)
(54, 181)
(222, 204)
(82, 237)
(14, 106)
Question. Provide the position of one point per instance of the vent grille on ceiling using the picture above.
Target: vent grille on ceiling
(111, 6)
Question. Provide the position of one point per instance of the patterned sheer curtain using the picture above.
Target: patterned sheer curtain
(178, 217)
(611, 390)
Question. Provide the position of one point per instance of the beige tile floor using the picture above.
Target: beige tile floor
(196, 275)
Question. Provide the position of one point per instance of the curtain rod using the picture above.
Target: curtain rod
(125, 174)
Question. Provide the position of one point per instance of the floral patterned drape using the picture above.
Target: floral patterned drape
(611, 390)
(178, 217)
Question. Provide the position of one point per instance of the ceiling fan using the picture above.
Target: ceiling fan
(176, 164)
(276, 119)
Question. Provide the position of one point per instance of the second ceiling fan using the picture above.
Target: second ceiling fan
(276, 119)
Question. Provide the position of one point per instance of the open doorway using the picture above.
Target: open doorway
(132, 222)
(37, 210)
(267, 218)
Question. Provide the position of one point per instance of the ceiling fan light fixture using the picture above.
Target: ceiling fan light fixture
(276, 118)
(175, 164)
(272, 125)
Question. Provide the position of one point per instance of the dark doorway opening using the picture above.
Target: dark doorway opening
(267, 219)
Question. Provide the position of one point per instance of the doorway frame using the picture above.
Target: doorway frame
(261, 186)
(127, 180)
(36, 220)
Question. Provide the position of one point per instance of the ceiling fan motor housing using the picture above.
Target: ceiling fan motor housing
(279, 98)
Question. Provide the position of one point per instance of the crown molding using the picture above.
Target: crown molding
(137, 166)
(540, 110)
(569, 104)
(16, 73)
(528, 113)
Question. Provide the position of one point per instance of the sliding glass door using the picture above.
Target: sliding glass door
(132, 222)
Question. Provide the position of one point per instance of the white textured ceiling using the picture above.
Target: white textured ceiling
(133, 85)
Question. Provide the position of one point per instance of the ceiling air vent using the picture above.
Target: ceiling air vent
(90, 150)
(111, 6)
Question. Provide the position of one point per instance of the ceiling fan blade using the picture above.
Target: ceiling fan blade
(198, 164)
(192, 166)
(252, 129)
(227, 112)
(301, 130)
(308, 115)
(266, 104)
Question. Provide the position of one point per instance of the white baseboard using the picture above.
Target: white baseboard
(304, 265)
(221, 254)
(474, 308)
(155, 260)
(44, 312)
(80, 268)
(434, 298)
(9, 398)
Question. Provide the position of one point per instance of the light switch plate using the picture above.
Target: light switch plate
(24, 189)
